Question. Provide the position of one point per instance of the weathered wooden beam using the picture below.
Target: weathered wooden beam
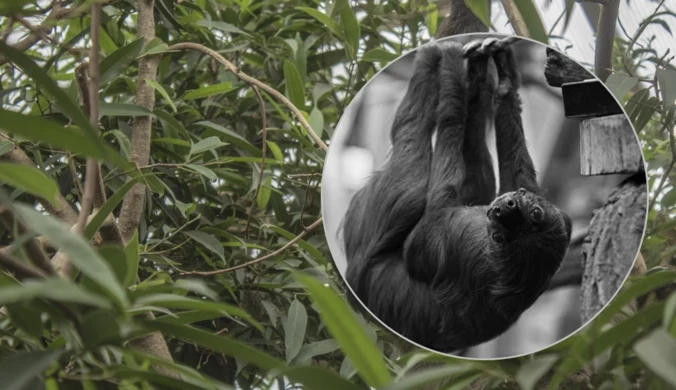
(608, 145)
(561, 69)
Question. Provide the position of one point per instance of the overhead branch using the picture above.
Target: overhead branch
(515, 18)
(58, 12)
(262, 258)
(605, 37)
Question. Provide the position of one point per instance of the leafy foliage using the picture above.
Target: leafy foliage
(222, 191)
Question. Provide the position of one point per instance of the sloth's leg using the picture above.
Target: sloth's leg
(384, 212)
(425, 246)
(479, 185)
(516, 166)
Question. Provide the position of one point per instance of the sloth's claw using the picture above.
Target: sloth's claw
(472, 49)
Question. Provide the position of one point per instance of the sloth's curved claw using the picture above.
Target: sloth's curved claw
(472, 48)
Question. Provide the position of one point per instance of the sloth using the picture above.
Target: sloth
(433, 250)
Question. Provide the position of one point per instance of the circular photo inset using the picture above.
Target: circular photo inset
(484, 196)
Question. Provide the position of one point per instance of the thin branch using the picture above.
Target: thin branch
(20, 270)
(33, 248)
(515, 18)
(57, 13)
(253, 82)
(91, 178)
(605, 38)
(263, 258)
(264, 121)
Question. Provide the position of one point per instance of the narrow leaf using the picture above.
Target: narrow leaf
(232, 137)
(208, 241)
(56, 289)
(159, 88)
(531, 372)
(19, 371)
(326, 20)
(30, 180)
(123, 109)
(531, 17)
(226, 27)
(658, 353)
(132, 252)
(296, 324)
(620, 84)
(112, 66)
(82, 255)
(481, 9)
(216, 89)
(667, 80)
(379, 55)
(264, 193)
(202, 170)
(206, 144)
(351, 30)
(294, 85)
(347, 330)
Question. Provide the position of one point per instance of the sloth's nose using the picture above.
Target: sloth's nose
(506, 211)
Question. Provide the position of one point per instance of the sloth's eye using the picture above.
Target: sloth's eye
(498, 238)
(536, 214)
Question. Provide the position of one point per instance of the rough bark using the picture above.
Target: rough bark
(612, 245)
(460, 20)
(132, 205)
(561, 69)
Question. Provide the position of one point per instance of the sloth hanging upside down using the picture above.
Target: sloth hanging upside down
(432, 252)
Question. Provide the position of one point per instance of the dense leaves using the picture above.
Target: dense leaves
(229, 185)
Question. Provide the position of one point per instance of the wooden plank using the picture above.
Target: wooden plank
(608, 145)
(589, 98)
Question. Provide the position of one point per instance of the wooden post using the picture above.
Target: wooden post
(608, 145)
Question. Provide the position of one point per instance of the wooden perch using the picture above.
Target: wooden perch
(560, 69)
(608, 145)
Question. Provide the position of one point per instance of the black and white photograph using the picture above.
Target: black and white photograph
(473, 191)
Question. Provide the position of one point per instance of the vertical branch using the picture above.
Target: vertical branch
(515, 18)
(132, 205)
(605, 37)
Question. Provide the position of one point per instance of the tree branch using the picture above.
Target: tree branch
(254, 82)
(262, 258)
(263, 149)
(33, 248)
(605, 37)
(515, 18)
(132, 205)
(20, 270)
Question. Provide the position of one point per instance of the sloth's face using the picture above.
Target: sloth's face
(523, 217)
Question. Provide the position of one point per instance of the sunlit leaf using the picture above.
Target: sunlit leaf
(159, 88)
(482, 9)
(115, 63)
(531, 17)
(620, 84)
(30, 180)
(294, 85)
(208, 241)
(296, 323)
(216, 89)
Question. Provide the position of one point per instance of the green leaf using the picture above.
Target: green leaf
(172, 301)
(319, 378)
(264, 193)
(429, 375)
(223, 344)
(350, 27)
(115, 199)
(116, 258)
(19, 371)
(216, 89)
(379, 55)
(431, 18)
(132, 253)
(317, 121)
(82, 255)
(206, 144)
(232, 137)
(482, 10)
(226, 27)
(531, 17)
(276, 151)
(296, 324)
(318, 348)
(41, 78)
(123, 109)
(159, 88)
(326, 20)
(56, 289)
(347, 330)
(66, 138)
(294, 85)
(208, 242)
(531, 372)
(27, 317)
(658, 353)
(620, 84)
(667, 81)
(159, 380)
(114, 64)
(100, 327)
(30, 180)
(202, 170)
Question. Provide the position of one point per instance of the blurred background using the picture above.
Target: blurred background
(361, 144)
